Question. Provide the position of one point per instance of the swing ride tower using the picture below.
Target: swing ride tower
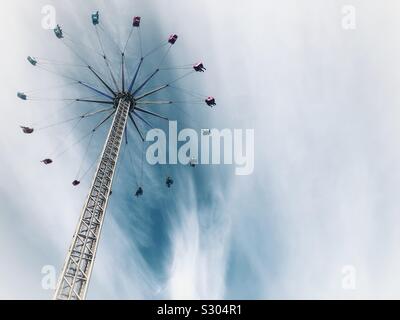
(126, 104)
(78, 265)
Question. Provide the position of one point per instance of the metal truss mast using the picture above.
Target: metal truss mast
(78, 266)
(123, 99)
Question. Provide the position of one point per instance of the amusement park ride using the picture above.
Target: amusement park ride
(125, 104)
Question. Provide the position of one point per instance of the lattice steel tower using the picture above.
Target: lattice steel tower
(124, 105)
(79, 263)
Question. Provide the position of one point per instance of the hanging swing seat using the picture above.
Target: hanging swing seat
(199, 67)
(136, 22)
(210, 101)
(22, 95)
(193, 162)
(27, 130)
(169, 182)
(172, 38)
(58, 32)
(139, 192)
(95, 18)
(47, 161)
(32, 61)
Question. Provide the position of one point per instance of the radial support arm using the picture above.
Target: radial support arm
(137, 128)
(151, 113)
(104, 121)
(143, 119)
(95, 101)
(145, 82)
(96, 112)
(152, 92)
(95, 90)
(154, 102)
(135, 76)
(102, 81)
(123, 71)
